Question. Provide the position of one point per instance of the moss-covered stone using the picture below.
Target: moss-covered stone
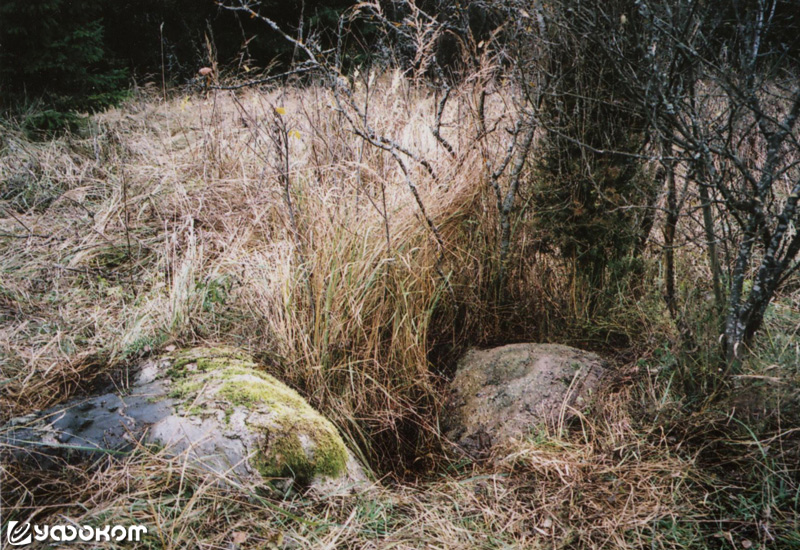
(292, 439)
(186, 362)
(216, 409)
(298, 442)
(500, 395)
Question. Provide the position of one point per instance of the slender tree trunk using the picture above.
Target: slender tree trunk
(507, 204)
(734, 324)
(670, 227)
(711, 249)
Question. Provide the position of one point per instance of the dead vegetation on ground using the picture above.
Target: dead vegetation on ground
(173, 223)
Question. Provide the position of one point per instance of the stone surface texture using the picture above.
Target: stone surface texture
(211, 405)
(504, 394)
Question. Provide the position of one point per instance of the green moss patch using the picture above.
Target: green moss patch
(243, 390)
(185, 389)
(208, 359)
(287, 456)
(298, 442)
(294, 440)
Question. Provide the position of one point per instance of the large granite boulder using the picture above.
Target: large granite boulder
(215, 406)
(504, 394)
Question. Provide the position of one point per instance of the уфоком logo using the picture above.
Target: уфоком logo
(20, 534)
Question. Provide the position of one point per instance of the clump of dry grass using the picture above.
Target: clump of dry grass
(609, 485)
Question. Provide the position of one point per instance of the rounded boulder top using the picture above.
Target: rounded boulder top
(216, 406)
(506, 393)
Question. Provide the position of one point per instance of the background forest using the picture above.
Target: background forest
(357, 193)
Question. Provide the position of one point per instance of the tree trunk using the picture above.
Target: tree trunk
(669, 229)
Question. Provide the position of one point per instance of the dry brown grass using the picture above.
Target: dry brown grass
(167, 224)
(602, 484)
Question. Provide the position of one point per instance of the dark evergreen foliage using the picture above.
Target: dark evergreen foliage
(588, 170)
(76, 56)
(55, 51)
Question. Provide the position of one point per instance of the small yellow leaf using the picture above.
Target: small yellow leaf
(294, 134)
(185, 102)
(246, 68)
(280, 110)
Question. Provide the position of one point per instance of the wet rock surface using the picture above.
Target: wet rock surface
(215, 406)
(504, 394)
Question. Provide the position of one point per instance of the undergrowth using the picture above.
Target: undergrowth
(173, 224)
(170, 223)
